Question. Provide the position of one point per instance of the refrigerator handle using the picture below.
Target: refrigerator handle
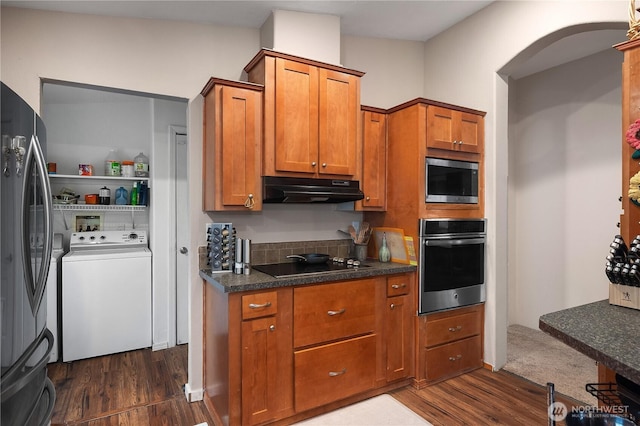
(20, 374)
(35, 156)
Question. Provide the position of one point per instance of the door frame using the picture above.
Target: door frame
(174, 131)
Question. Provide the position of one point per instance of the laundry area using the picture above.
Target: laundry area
(101, 166)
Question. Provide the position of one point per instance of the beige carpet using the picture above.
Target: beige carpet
(380, 410)
(540, 358)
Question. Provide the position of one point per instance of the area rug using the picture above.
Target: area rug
(540, 358)
(380, 410)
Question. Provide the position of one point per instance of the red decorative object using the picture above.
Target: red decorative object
(633, 134)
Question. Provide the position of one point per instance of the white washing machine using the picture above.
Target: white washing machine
(54, 282)
(106, 294)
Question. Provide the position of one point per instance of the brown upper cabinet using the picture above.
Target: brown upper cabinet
(374, 160)
(311, 116)
(413, 128)
(454, 130)
(232, 146)
(630, 217)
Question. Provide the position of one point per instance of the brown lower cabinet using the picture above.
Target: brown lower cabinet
(450, 343)
(281, 355)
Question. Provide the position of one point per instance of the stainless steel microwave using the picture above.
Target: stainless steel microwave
(451, 181)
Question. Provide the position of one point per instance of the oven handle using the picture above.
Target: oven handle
(451, 243)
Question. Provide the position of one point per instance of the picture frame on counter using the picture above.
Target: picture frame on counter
(395, 242)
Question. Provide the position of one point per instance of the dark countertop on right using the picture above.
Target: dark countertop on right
(609, 334)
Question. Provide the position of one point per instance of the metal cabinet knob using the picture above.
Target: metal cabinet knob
(313, 163)
(272, 327)
(184, 250)
(324, 164)
(368, 198)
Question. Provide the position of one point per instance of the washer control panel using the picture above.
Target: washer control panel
(106, 239)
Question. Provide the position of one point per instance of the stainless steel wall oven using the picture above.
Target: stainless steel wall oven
(452, 263)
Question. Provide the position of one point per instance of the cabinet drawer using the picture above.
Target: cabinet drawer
(331, 372)
(452, 328)
(448, 360)
(259, 305)
(327, 312)
(398, 286)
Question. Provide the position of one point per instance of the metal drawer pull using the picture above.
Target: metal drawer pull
(455, 358)
(397, 286)
(332, 313)
(257, 306)
(337, 373)
(454, 329)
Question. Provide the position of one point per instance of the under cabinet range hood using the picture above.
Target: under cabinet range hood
(307, 190)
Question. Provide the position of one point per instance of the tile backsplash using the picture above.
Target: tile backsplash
(263, 253)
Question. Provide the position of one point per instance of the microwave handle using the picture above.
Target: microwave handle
(451, 243)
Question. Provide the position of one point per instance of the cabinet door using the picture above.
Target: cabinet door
(296, 115)
(440, 128)
(399, 337)
(259, 370)
(327, 312)
(331, 372)
(470, 132)
(454, 130)
(453, 328)
(241, 138)
(374, 160)
(339, 109)
(453, 358)
(232, 149)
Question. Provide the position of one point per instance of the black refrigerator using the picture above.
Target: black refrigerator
(26, 239)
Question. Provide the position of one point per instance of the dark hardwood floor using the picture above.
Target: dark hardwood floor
(146, 388)
(482, 397)
(131, 388)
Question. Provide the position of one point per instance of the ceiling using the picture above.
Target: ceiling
(403, 20)
(417, 20)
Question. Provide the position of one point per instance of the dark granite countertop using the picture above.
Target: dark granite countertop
(230, 283)
(607, 333)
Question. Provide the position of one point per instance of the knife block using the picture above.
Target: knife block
(624, 295)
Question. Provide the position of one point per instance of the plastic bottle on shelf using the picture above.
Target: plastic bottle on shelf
(134, 194)
(112, 164)
(141, 165)
(126, 169)
(122, 196)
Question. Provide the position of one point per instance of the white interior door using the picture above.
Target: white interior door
(182, 254)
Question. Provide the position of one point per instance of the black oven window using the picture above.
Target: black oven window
(452, 267)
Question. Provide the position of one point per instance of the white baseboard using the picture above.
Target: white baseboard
(193, 395)
(160, 346)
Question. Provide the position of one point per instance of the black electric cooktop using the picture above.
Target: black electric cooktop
(280, 270)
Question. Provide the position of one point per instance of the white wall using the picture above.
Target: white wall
(462, 66)
(565, 180)
(84, 133)
(394, 69)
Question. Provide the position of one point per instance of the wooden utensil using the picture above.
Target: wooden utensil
(352, 232)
